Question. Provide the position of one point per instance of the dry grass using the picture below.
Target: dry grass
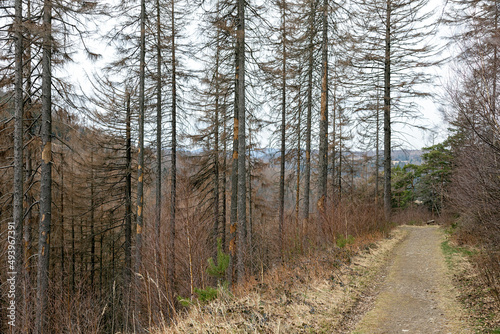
(475, 282)
(309, 295)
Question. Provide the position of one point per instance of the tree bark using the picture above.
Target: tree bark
(334, 144)
(73, 237)
(249, 224)
(140, 165)
(240, 45)
(377, 147)
(46, 174)
(173, 191)
(127, 272)
(140, 158)
(216, 232)
(18, 211)
(339, 173)
(158, 128)
(29, 198)
(323, 123)
(233, 218)
(62, 222)
(387, 115)
(224, 185)
(282, 130)
(310, 50)
(299, 158)
(92, 220)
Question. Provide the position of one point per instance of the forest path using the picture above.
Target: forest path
(416, 296)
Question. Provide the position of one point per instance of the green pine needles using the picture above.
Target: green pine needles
(214, 270)
(218, 271)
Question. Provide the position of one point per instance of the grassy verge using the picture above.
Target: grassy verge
(473, 293)
(313, 294)
(450, 251)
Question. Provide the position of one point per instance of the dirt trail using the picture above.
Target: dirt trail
(417, 294)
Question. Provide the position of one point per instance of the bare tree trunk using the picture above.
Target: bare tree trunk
(377, 145)
(339, 173)
(28, 222)
(46, 174)
(127, 269)
(242, 194)
(283, 125)
(249, 227)
(224, 187)
(82, 238)
(159, 154)
(387, 115)
(29, 216)
(334, 142)
(323, 123)
(92, 220)
(495, 62)
(140, 167)
(299, 156)
(100, 264)
(158, 128)
(73, 238)
(140, 162)
(307, 185)
(128, 200)
(173, 191)
(216, 231)
(62, 222)
(16, 243)
(233, 219)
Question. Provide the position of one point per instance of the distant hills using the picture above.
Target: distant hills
(399, 157)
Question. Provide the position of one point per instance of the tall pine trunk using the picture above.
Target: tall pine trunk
(307, 185)
(299, 158)
(323, 123)
(339, 172)
(18, 211)
(216, 227)
(387, 115)
(334, 144)
(158, 129)
(140, 158)
(377, 147)
(233, 218)
(282, 130)
(173, 190)
(73, 237)
(310, 51)
(127, 272)
(61, 236)
(224, 182)
(46, 174)
(29, 198)
(92, 220)
(249, 226)
(140, 164)
(242, 216)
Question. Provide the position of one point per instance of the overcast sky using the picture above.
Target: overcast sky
(413, 138)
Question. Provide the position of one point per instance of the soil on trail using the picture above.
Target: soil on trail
(417, 295)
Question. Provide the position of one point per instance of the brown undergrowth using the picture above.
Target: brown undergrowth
(474, 278)
(311, 294)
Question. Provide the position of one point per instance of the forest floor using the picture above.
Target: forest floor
(403, 283)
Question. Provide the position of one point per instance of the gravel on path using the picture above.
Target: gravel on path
(417, 295)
